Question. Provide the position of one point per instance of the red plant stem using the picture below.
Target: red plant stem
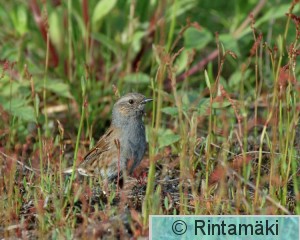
(44, 31)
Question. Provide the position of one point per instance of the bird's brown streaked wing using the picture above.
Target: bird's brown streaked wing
(102, 146)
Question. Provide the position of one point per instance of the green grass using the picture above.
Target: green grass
(223, 129)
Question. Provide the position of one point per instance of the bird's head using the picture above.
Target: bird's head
(130, 106)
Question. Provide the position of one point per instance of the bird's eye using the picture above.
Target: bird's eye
(131, 101)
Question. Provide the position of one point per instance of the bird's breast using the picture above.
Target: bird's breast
(133, 142)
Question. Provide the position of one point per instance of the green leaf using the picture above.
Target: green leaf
(166, 202)
(168, 138)
(189, 97)
(13, 103)
(61, 89)
(173, 111)
(80, 23)
(107, 42)
(11, 89)
(17, 108)
(207, 79)
(136, 78)
(203, 106)
(37, 104)
(19, 19)
(182, 61)
(83, 85)
(26, 113)
(194, 38)
(137, 40)
(236, 78)
(55, 30)
(230, 43)
(102, 8)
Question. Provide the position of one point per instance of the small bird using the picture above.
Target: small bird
(124, 143)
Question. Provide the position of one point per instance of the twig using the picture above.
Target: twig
(36, 171)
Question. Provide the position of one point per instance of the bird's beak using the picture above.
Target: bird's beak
(146, 100)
